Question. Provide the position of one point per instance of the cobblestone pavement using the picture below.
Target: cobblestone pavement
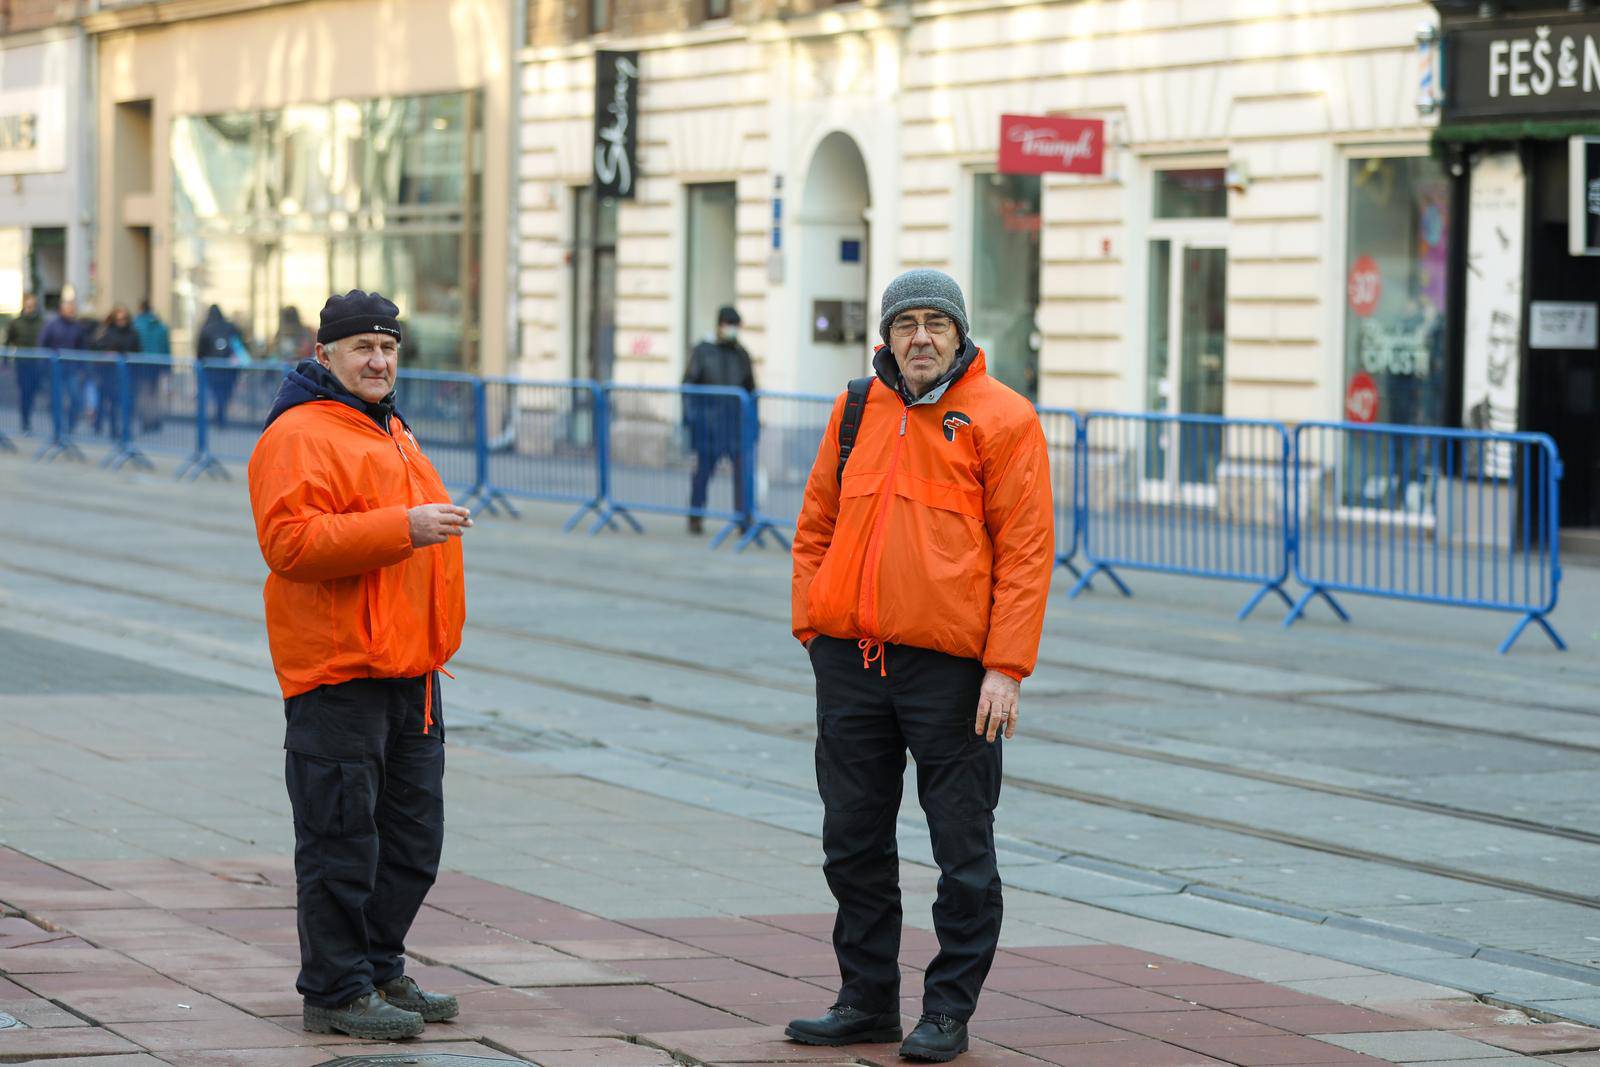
(1343, 831)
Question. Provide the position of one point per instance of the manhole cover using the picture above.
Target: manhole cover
(425, 1059)
(7, 1022)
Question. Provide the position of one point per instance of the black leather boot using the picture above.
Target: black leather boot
(368, 1016)
(937, 1039)
(404, 993)
(844, 1025)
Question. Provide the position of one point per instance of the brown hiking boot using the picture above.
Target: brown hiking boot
(404, 993)
(368, 1016)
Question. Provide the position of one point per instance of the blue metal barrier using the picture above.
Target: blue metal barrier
(1063, 435)
(540, 440)
(440, 407)
(1458, 517)
(163, 414)
(24, 381)
(792, 426)
(1196, 495)
(663, 447)
(83, 396)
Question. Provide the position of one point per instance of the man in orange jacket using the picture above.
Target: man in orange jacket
(365, 604)
(921, 569)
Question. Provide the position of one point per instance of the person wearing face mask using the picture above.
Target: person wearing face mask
(713, 421)
(365, 602)
(922, 562)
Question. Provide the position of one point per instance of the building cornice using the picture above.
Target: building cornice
(824, 24)
(166, 12)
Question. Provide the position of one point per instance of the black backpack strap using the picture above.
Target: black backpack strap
(855, 404)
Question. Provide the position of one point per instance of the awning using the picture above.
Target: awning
(1516, 130)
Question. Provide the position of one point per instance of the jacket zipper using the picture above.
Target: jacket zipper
(869, 573)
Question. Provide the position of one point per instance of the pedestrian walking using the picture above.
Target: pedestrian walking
(364, 606)
(66, 335)
(217, 347)
(922, 562)
(155, 345)
(293, 341)
(116, 336)
(713, 421)
(22, 334)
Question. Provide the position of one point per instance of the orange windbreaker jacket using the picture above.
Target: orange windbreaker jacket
(942, 534)
(348, 596)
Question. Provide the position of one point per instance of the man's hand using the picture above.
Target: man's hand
(434, 524)
(998, 701)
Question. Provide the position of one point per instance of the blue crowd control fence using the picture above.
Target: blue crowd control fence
(85, 403)
(237, 398)
(1195, 495)
(540, 442)
(441, 408)
(1457, 517)
(792, 427)
(24, 395)
(1063, 435)
(665, 449)
(163, 406)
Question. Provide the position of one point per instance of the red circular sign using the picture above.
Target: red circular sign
(1365, 286)
(1361, 398)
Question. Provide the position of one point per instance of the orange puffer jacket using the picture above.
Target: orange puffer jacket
(942, 534)
(348, 596)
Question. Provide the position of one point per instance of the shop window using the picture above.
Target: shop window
(714, 9)
(278, 209)
(711, 256)
(1394, 298)
(1005, 276)
(1191, 194)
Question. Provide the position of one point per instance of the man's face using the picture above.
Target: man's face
(69, 309)
(924, 345)
(365, 364)
(30, 304)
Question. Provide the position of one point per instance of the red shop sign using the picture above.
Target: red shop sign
(1361, 398)
(1033, 144)
(1365, 286)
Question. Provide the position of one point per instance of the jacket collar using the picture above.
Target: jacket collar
(310, 381)
(969, 361)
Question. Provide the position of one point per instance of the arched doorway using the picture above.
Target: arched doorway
(837, 323)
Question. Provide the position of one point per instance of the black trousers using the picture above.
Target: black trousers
(926, 702)
(367, 787)
(707, 455)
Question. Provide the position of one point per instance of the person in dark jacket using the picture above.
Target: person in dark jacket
(22, 332)
(116, 337)
(713, 421)
(214, 348)
(155, 342)
(67, 334)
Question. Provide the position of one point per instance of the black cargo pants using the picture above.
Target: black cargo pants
(367, 788)
(867, 718)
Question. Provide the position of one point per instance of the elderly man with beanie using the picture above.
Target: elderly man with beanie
(713, 421)
(365, 603)
(922, 563)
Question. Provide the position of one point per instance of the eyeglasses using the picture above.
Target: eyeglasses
(936, 327)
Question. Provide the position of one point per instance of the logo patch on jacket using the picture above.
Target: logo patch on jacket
(953, 421)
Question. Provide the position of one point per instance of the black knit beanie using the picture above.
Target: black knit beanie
(358, 312)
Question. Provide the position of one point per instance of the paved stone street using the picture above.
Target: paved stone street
(1218, 838)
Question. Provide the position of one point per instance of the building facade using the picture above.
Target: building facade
(793, 157)
(257, 156)
(46, 154)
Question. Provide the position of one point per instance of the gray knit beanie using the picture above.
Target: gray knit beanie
(923, 288)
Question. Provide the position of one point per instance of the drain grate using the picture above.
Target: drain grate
(425, 1059)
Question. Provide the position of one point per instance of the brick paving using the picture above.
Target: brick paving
(123, 962)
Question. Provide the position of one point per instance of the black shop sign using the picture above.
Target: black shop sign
(616, 123)
(1523, 70)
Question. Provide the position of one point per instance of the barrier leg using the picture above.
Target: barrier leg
(1522, 624)
(495, 501)
(1260, 595)
(1088, 576)
(757, 534)
(1066, 561)
(608, 520)
(129, 455)
(577, 516)
(202, 463)
(1300, 605)
(723, 534)
(6, 444)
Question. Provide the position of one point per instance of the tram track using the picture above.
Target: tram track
(1015, 781)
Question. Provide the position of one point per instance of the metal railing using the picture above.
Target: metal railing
(1451, 517)
(1456, 517)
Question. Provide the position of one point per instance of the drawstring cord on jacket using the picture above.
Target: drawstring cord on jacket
(872, 650)
(427, 698)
